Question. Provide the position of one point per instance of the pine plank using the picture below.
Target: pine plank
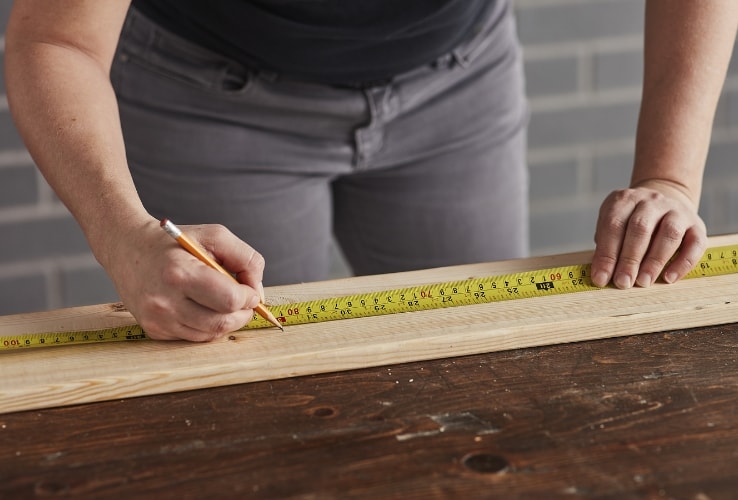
(58, 376)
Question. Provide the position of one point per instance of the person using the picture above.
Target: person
(400, 130)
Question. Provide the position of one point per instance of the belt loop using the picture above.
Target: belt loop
(460, 57)
(478, 40)
(445, 61)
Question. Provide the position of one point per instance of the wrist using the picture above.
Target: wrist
(106, 236)
(670, 188)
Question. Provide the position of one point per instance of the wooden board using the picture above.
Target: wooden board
(57, 376)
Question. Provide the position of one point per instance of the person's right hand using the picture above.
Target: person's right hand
(172, 294)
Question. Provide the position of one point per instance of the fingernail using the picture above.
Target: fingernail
(600, 279)
(622, 280)
(260, 289)
(253, 302)
(670, 277)
(644, 280)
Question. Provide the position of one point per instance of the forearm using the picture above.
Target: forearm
(687, 50)
(65, 109)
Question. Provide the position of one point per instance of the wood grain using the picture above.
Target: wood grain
(57, 376)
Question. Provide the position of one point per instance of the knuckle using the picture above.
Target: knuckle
(640, 225)
(219, 231)
(220, 325)
(655, 197)
(157, 308)
(690, 262)
(692, 258)
(153, 319)
(700, 244)
(153, 328)
(613, 225)
(652, 263)
(233, 299)
(629, 262)
(621, 195)
(628, 196)
(671, 230)
(606, 260)
(256, 260)
(174, 275)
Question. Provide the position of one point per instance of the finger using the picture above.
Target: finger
(666, 241)
(215, 291)
(188, 320)
(235, 255)
(175, 331)
(691, 251)
(206, 325)
(611, 226)
(208, 287)
(641, 226)
(214, 304)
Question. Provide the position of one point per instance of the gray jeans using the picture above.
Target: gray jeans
(425, 171)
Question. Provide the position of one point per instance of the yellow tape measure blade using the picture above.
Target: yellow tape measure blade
(47, 339)
(715, 261)
(542, 282)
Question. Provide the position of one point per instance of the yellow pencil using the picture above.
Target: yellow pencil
(191, 246)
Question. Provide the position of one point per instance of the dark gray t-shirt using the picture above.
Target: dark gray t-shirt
(330, 41)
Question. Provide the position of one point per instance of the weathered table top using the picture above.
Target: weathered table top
(647, 416)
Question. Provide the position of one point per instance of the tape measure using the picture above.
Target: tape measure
(537, 283)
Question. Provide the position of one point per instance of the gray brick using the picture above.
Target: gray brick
(711, 208)
(44, 238)
(87, 286)
(719, 208)
(5, 6)
(722, 117)
(611, 172)
(729, 103)
(618, 69)
(9, 138)
(721, 162)
(553, 180)
(733, 68)
(551, 76)
(731, 223)
(583, 124)
(548, 24)
(571, 228)
(20, 294)
(18, 186)
(2, 73)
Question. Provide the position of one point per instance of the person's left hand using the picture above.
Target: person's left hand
(639, 230)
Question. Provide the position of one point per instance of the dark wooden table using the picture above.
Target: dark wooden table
(648, 416)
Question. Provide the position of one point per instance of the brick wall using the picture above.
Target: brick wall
(584, 68)
(583, 63)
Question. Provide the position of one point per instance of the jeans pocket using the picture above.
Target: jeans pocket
(169, 56)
